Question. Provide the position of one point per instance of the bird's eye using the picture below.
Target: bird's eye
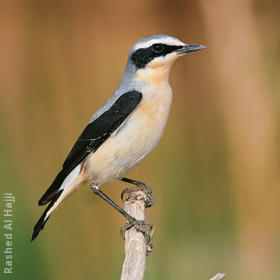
(158, 48)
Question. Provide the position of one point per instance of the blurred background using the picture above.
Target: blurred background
(215, 174)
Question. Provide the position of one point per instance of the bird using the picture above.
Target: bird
(125, 129)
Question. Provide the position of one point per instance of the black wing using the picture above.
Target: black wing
(93, 136)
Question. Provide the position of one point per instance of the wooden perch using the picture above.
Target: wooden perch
(136, 250)
(218, 276)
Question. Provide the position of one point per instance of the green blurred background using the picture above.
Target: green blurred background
(215, 174)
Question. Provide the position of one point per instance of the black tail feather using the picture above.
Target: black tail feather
(53, 189)
(42, 221)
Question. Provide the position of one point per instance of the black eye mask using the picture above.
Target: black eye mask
(142, 57)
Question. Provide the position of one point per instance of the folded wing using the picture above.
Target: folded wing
(92, 138)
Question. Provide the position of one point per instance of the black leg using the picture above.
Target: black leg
(139, 186)
(143, 226)
(97, 191)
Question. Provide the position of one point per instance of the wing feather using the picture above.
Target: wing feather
(93, 136)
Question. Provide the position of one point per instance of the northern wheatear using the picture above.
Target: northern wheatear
(125, 129)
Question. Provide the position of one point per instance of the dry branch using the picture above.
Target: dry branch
(136, 250)
(218, 276)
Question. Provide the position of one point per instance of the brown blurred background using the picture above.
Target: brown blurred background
(215, 174)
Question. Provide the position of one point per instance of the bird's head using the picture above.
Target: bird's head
(151, 57)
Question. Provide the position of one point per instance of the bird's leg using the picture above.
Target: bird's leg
(96, 190)
(143, 226)
(139, 186)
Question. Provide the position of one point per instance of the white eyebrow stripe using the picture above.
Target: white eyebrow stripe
(167, 41)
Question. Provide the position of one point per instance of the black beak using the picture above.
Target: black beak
(190, 48)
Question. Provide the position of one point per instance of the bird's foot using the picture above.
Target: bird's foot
(143, 226)
(149, 200)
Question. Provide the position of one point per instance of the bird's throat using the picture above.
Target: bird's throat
(154, 75)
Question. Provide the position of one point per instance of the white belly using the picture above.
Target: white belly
(134, 140)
